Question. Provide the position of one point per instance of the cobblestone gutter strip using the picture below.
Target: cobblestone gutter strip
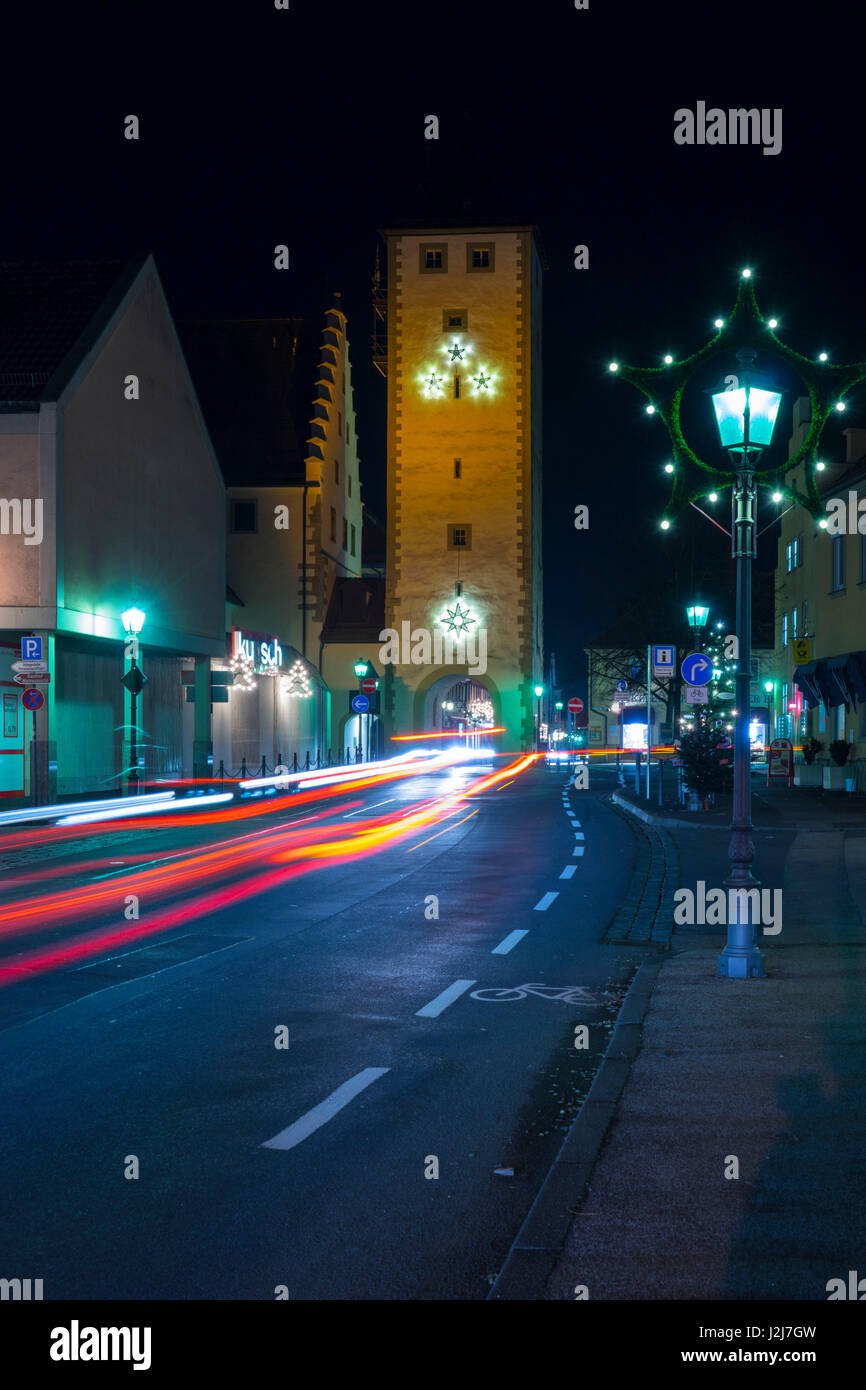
(642, 916)
(539, 1242)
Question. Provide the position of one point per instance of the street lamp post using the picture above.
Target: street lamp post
(134, 680)
(770, 687)
(361, 668)
(745, 416)
(539, 691)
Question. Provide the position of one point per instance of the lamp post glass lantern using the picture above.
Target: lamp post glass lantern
(697, 614)
(746, 409)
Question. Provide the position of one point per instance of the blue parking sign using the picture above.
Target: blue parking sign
(31, 648)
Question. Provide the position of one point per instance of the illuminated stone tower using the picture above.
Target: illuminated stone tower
(463, 365)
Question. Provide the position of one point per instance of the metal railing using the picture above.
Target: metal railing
(335, 758)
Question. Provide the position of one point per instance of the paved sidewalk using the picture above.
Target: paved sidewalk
(769, 1072)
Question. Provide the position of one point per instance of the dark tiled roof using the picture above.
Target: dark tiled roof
(373, 545)
(51, 313)
(356, 611)
(254, 379)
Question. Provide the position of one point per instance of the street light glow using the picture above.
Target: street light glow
(133, 621)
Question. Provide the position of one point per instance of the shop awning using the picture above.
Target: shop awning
(833, 680)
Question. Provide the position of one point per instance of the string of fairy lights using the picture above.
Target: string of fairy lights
(295, 683)
(664, 387)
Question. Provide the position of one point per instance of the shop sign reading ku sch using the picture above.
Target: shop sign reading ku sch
(261, 650)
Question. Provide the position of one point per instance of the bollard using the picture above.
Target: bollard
(244, 768)
(263, 771)
(294, 762)
(661, 782)
(329, 757)
(307, 763)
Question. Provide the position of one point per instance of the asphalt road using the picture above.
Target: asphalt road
(311, 1166)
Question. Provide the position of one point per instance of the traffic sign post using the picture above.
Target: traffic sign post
(621, 687)
(26, 677)
(575, 704)
(697, 695)
(369, 684)
(33, 700)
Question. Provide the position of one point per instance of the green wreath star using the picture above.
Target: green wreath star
(664, 388)
(457, 619)
(482, 382)
(457, 353)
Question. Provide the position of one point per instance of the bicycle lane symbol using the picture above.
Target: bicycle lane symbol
(567, 994)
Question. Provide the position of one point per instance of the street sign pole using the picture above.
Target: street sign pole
(649, 717)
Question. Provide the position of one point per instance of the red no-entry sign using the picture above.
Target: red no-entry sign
(575, 705)
(368, 684)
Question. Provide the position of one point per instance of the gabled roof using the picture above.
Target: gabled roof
(254, 379)
(51, 314)
(356, 612)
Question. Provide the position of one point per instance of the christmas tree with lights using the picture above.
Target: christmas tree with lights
(721, 690)
(706, 767)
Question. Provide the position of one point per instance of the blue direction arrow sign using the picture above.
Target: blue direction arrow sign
(696, 668)
(360, 704)
(622, 686)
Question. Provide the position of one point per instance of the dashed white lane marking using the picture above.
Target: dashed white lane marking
(369, 808)
(441, 1002)
(576, 824)
(578, 849)
(568, 871)
(544, 903)
(326, 1110)
(578, 834)
(508, 943)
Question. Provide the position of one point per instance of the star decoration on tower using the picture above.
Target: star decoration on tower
(433, 382)
(457, 619)
(482, 382)
(457, 352)
(664, 388)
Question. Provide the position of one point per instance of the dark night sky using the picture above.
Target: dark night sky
(306, 127)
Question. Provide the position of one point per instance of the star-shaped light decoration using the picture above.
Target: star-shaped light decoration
(457, 352)
(457, 619)
(482, 382)
(664, 387)
(433, 384)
